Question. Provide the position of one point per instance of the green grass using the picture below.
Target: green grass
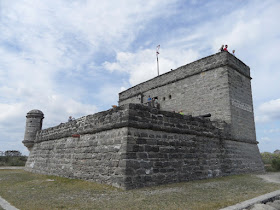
(30, 191)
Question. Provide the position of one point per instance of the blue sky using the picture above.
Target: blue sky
(74, 57)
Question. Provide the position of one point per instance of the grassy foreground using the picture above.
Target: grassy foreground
(29, 191)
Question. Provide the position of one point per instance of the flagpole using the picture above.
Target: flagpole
(157, 59)
(157, 66)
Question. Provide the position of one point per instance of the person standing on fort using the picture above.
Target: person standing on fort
(233, 52)
(71, 118)
(157, 105)
(222, 48)
(153, 102)
(149, 101)
(225, 49)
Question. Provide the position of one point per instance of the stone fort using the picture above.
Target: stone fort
(137, 144)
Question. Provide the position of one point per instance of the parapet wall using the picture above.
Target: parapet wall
(137, 116)
(90, 124)
(134, 146)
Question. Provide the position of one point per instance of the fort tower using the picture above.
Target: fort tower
(34, 120)
(219, 84)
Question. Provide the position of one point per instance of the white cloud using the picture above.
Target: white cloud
(107, 95)
(142, 65)
(11, 111)
(265, 139)
(268, 111)
(122, 89)
(262, 118)
(45, 39)
(271, 107)
(273, 130)
(46, 46)
(241, 29)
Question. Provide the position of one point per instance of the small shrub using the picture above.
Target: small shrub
(268, 168)
(267, 157)
(271, 161)
(276, 164)
(12, 160)
(13, 153)
(3, 160)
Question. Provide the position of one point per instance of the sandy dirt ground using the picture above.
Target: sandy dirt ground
(271, 177)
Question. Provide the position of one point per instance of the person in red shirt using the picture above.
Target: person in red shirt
(225, 49)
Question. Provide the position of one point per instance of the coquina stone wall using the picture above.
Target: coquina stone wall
(241, 106)
(159, 157)
(134, 146)
(89, 148)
